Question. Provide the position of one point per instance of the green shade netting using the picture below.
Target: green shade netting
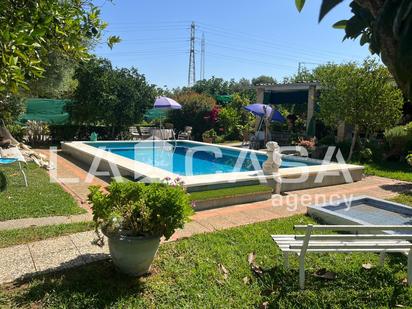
(154, 113)
(223, 98)
(46, 110)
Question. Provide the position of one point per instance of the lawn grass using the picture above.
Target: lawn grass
(389, 169)
(40, 199)
(404, 198)
(226, 192)
(186, 274)
(22, 236)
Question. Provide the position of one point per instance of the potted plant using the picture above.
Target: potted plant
(134, 216)
(209, 136)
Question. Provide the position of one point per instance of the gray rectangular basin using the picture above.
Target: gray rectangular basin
(363, 210)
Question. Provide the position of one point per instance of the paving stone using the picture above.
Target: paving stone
(217, 223)
(191, 228)
(94, 253)
(241, 218)
(30, 222)
(11, 270)
(83, 239)
(58, 260)
(15, 262)
(49, 246)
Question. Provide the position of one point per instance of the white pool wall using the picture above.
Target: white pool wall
(85, 153)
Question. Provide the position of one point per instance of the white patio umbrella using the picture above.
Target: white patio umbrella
(165, 103)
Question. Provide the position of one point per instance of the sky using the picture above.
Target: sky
(242, 38)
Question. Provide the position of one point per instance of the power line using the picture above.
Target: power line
(251, 36)
(202, 57)
(247, 50)
(241, 59)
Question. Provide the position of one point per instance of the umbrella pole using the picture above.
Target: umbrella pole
(161, 130)
(257, 141)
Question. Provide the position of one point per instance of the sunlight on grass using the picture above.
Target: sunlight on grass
(40, 199)
(393, 170)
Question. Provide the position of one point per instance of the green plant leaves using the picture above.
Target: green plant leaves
(299, 4)
(112, 40)
(340, 24)
(327, 6)
(30, 32)
(137, 209)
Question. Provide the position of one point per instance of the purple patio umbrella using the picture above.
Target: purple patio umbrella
(259, 109)
(166, 103)
(262, 110)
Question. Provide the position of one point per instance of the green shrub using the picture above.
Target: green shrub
(137, 209)
(219, 139)
(229, 120)
(209, 134)
(195, 112)
(17, 131)
(399, 139)
(366, 155)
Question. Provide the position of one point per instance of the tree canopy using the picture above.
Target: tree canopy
(363, 96)
(195, 112)
(31, 30)
(386, 25)
(110, 96)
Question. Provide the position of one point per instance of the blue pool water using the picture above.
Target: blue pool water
(186, 158)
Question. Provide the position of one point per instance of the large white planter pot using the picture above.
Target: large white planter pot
(133, 255)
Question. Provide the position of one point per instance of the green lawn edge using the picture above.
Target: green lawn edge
(394, 170)
(14, 237)
(228, 192)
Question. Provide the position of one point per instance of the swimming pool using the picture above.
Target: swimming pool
(187, 158)
(204, 166)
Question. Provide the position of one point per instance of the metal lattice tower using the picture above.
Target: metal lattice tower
(191, 79)
(202, 57)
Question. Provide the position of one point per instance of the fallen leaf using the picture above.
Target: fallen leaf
(367, 266)
(246, 280)
(399, 306)
(224, 271)
(324, 274)
(219, 282)
(251, 258)
(264, 305)
(257, 270)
